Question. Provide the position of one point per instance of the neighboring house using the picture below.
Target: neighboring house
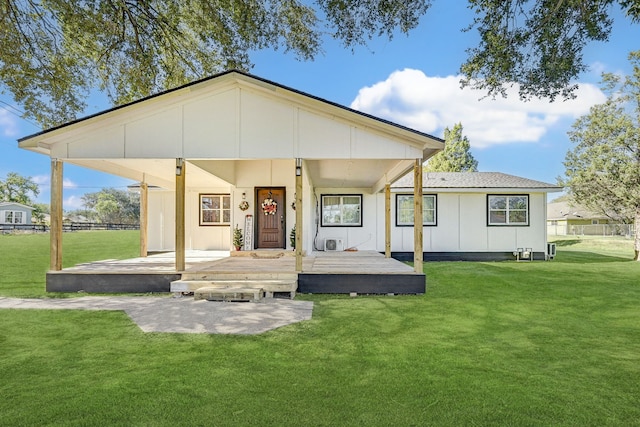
(569, 218)
(473, 216)
(15, 213)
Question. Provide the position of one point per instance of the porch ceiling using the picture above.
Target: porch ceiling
(325, 173)
(338, 173)
(159, 172)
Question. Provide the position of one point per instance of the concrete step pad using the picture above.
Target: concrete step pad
(268, 286)
(231, 294)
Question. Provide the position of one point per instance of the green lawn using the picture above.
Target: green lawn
(529, 343)
(25, 257)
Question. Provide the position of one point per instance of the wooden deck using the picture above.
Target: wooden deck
(323, 272)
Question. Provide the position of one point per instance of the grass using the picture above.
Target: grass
(25, 257)
(540, 343)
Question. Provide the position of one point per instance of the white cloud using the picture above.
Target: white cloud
(72, 203)
(67, 183)
(8, 123)
(44, 182)
(429, 104)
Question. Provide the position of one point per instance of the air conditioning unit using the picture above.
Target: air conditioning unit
(332, 245)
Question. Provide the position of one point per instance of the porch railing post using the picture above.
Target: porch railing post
(55, 231)
(180, 229)
(144, 218)
(417, 217)
(387, 221)
(299, 216)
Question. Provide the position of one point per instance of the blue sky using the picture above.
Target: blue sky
(412, 80)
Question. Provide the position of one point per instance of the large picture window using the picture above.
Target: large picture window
(341, 210)
(215, 209)
(404, 210)
(508, 210)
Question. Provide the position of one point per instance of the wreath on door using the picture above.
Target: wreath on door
(269, 206)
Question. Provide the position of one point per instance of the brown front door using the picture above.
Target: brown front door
(270, 226)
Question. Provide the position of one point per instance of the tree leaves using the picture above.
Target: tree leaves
(537, 45)
(19, 189)
(456, 156)
(111, 205)
(55, 52)
(603, 168)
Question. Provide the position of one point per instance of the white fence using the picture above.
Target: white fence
(591, 230)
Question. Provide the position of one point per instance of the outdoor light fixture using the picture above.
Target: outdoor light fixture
(298, 167)
(179, 164)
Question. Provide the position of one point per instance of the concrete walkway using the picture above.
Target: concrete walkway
(184, 315)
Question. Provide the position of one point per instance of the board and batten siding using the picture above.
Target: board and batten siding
(363, 237)
(462, 226)
(162, 223)
(250, 174)
(229, 123)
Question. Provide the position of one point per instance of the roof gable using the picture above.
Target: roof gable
(15, 205)
(231, 115)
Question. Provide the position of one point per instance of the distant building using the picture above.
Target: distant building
(15, 213)
(569, 218)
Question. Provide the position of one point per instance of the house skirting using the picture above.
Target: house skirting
(104, 282)
(339, 283)
(465, 256)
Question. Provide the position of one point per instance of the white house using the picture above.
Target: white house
(237, 150)
(15, 213)
(217, 142)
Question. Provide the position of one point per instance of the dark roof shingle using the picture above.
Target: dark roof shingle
(489, 180)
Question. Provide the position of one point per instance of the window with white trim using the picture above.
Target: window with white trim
(14, 217)
(215, 209)
(508, 209)
(405, 208)
(341, 210)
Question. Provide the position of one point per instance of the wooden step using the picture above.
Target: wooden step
(230, 294)
(266, 253)
(235, 275)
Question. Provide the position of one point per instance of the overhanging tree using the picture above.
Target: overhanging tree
(603, 169)
(456, 156)
(537, 44)
(53, 53)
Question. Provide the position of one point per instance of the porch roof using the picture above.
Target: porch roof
(235, 116)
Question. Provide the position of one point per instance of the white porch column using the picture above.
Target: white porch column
(417, 216)
(181, 173)
(387, 221)
(144, 218)
(299, 216)
(55, 229)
